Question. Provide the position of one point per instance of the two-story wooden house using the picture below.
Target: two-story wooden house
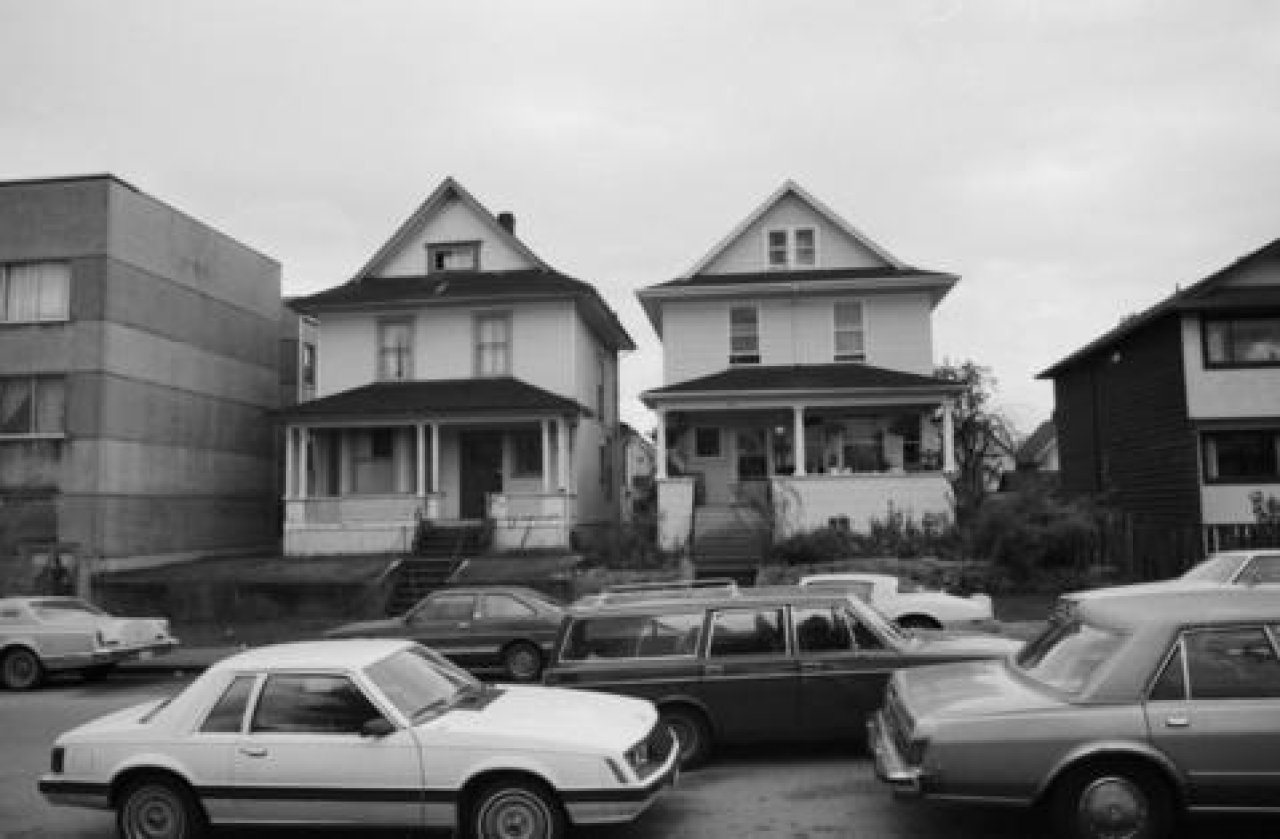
(459, 379)
(798, 381)
(1174, 415)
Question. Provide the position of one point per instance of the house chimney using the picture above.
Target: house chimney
(508, 222)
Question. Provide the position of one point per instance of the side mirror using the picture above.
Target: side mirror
(376, 727)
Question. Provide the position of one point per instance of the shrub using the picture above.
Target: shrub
(1032, 531)
(897, 535)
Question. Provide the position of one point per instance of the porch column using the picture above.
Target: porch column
(420, 472)
(797, 443)
(948, 439)
(562, 450)
(435, 457)
(290, 461)
(545, 427)
(304, 444)
(662, 445)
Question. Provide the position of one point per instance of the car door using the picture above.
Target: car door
(503, 617)
(749, 675)
(1215, 709)
(843, 670)
(302, 757)
(444, 622)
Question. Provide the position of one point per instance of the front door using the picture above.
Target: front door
(481, 471)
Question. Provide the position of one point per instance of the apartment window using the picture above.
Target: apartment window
(35, 291)
(309, 365)
(792, 247)
(850, 336)
(493, 345)
(1242, 342)
(395, 349)
(744, 335)
(33, 406)
(453, 256)
(1243, 456)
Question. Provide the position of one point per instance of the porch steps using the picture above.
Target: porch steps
(415, 579)
(437, 549)
(728, 541)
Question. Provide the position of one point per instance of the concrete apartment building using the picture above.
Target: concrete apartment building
(139, 355)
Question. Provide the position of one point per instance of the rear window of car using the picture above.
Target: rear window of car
(1067, 654)
(633, 636)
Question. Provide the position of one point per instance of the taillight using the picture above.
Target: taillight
(57, 758)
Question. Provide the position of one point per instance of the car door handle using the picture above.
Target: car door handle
(253, 751)
(1177, 722)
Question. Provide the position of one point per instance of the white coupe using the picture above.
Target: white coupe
(909, 604)
(368, 732)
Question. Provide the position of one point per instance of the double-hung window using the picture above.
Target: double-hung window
(33, 406)
(34, 291)
(792, 247)
(493, 344)
(395, 350)
(1242, 341)
(744, 335)
(850, 334)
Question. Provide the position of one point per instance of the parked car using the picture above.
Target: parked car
(42, 635)
(364, 732)
(782, 663)
(1131, 710)
(909, 604)
(486, 629)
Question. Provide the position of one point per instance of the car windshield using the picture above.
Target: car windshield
(1215, 569)
(1067, 654)
(419, 681)
(875, 619)
(66, 610)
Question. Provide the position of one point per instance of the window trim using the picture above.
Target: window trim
(1272, 478)
(1209, 364)
(31, 381)
(791, 248)
(745, 358)
(784, 611)
(504, 315)
(433, 248)
(62, 317)
(383, 325)
(835, 331)
(720, 446)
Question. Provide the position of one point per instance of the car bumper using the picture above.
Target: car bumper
(623, 805)
(100, 656)
(891, 767)
(60, 792)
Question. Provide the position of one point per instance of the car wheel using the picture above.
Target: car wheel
(522, 662)
(1113, 801)
(21, 669)
(159, 808)
(918, 622)
(691, 729)
(97, 673)
(516, 809)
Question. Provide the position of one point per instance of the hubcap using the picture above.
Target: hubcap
(20, 669)
(1113, 808)
(153, 814)
(514, 815)
(522, 663)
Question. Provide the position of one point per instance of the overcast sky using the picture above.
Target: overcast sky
(1072, 160)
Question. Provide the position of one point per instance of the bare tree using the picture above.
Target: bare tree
(985, 439)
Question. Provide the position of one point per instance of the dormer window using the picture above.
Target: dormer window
(453, 256)
(794, 247)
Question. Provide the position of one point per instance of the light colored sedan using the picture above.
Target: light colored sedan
(365, 732)
(39, 635)
(909, 604)
(1121, 716)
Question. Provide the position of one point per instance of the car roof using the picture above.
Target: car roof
(334, 654)
(1176, 606)
(747, 596)
(524, 591)
(837, 576)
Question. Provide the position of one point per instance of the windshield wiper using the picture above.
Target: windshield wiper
(433, 705)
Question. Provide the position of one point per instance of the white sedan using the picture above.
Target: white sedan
(39, 635)
(909, 604)
(368, 732)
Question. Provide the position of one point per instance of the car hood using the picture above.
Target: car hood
(969, 689)
(974, 644)
(551, 717)
(368, 629)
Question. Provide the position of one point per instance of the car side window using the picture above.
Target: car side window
(504, 606)
(1171, 685)
(447, 607)
(737, 632)
(1262, 569)
(1236, 663)
(821, 629)
(227, 714)
(633, 636)
(311, 704)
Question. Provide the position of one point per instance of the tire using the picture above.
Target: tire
(691, 728)
(515, 809)
(20, 669)
(97, 673)
(159, 808)
(522, 662)
(917, 622)
(1113, 801)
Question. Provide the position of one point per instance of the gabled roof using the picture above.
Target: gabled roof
(1034, 447)
(803, 378)
(792, 188)
(449, 189)
(1209, 294)
(417, 399)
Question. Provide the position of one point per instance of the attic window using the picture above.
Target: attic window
(453, 256)
(795, 247)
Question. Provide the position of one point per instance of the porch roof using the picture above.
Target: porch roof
(804, 380)
(439, 398)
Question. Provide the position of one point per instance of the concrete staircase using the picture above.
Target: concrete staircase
(729, 541)
(437, 549)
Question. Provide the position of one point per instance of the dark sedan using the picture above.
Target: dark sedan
(487, 629)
